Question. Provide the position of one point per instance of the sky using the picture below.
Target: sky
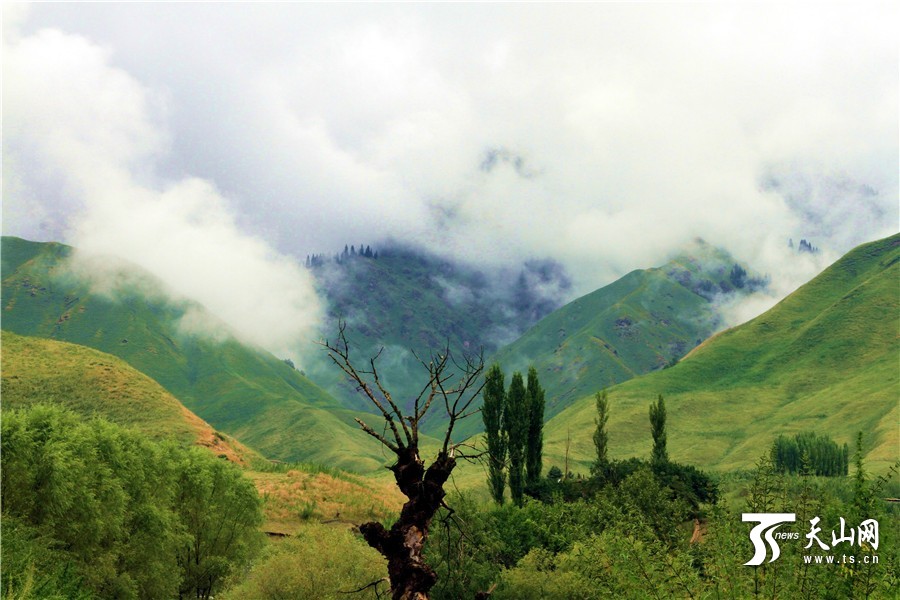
(216, 144)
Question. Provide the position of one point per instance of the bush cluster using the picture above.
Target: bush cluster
(94, 510)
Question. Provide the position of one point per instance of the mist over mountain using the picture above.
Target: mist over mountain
(643, 322)
(404, 302)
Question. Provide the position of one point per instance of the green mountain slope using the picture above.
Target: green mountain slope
(642, 322)
(240, 390)
(93, 383)
(408, 301)
(823, 359)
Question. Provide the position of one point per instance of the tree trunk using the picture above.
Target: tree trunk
(410, 577)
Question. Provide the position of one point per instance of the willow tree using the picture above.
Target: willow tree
(449, 383)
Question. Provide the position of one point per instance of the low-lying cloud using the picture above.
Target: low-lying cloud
(98, 132)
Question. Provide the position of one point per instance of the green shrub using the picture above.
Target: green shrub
(124, 515)
(318, 562)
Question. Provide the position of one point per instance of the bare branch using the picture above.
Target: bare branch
(470, 457)
(339, 353)
(387, 396)
(367, 586)
(376, 435)
(465, 393)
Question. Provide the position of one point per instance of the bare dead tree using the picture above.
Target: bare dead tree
(452, 383)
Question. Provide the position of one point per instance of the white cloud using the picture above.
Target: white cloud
(645, 125)
(100, 133)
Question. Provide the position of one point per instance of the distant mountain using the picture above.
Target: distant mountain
(824, 359)
(409, 301)
(645, 321)
(241, 390)
(406, 302)
(93, 383)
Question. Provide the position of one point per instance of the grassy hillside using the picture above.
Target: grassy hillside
(642, 322)
(238, 389)
(93, 383)
(298, 495)
(409, 300)
(823, 359)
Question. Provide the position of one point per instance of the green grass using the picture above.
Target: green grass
(243, 391)
(642, 322)
(96, 384)
(824, 359)
(90, 383)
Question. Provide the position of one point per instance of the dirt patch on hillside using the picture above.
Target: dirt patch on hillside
(217, 443)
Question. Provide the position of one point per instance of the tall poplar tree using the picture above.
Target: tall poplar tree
(492, 413)
(659, 454)
(534, 448)
(601, 437)
(516, 425)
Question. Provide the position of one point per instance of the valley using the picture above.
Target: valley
(822, 360)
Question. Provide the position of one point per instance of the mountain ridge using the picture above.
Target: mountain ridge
(824, 358)
(94, 383)
(644, 321)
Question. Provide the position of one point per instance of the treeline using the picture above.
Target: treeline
(685, 483)
(804, 246)
(810, 454)
(738, 279)
(94, 510)
(349, 253)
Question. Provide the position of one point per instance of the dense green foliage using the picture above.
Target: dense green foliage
(318, 562)
(220, 510)
(492, 414)
(534, 446)
(238, 389)
(500, 540)
(632, 540)
(34, 568)
(824, 359)
(686, 483)
(811, 454)
(119, 516)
